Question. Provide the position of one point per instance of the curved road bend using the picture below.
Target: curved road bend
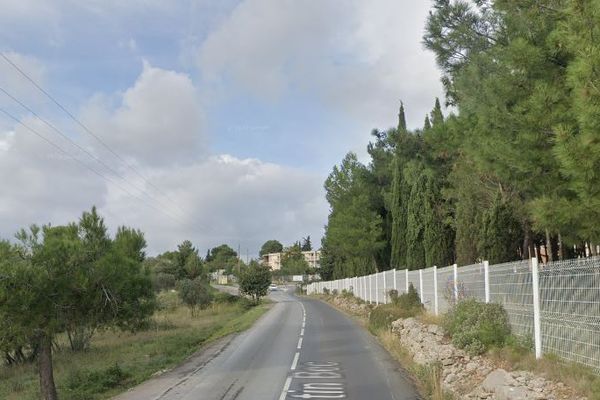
(300, 349)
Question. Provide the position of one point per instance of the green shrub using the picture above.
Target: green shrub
(476, 326)
(406, 305)
(163, 281)
(334, 292)
(246, 303)
(382, 316)
(167, 300)
(85, 384)
(409, 300)
(226, 298)
(326, 291)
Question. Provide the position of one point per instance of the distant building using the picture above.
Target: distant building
(273, 260)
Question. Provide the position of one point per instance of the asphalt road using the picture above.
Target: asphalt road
(300, 349)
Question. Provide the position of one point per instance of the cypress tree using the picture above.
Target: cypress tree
(427, 124)
(415, 250)
(437, 117)
(500, 233)
(398, 204)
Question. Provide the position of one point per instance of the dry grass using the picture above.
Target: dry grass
(576, 376)
(428, 377)
(428, 319)
(173, 336)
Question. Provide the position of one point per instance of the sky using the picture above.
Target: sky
(213, 121)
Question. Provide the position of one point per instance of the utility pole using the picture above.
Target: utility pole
(239, 259)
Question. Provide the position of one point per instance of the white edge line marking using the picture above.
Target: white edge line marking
(288, 381)
(295, 362)
(286, 387)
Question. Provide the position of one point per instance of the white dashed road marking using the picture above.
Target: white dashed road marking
(315, 371)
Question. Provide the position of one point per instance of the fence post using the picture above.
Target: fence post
(421, 286)
(395, 283)
(384, 289)
(371, 288)
(455, 268)
(376, 289)
(435, 290)
(406, 279)
(486, 274)
(537, 325)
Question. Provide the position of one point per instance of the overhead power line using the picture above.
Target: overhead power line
(65, 152)
(81, 148)
(83, 126)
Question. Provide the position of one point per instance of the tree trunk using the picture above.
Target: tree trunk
(548, 247)
(561, 252)
(45, 370)
(526, 249)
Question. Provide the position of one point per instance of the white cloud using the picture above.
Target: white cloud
(217, 199)
(229, 200)
(158, 121)
(40, 184)
(359, 58)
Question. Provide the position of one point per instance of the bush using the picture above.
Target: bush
(326, 291)
(85, 384)
(382, 316)
(226, 298)
(167, 300)
(406, 305)
(163, 281)
(409, 301)
(476, 326)
(334, 292)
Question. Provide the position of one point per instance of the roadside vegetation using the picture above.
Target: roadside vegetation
(84, 315)
(476, 327)
(116, 361)
(508, 174)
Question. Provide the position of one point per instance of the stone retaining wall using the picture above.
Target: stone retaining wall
(467, 377)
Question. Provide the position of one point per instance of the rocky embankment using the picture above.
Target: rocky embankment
(465, 376)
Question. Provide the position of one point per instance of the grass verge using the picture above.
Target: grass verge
(118, 361)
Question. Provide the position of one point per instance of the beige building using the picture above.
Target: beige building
(273, 260)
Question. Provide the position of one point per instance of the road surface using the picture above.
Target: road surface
(301, 349)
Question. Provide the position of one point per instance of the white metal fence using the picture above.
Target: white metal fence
(553, 306)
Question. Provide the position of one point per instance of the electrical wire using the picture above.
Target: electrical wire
(65, 152)
(83, 126)
(81, 148)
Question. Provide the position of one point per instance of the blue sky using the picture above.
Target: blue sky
(266, 95)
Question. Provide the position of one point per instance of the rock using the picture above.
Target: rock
(467, 377)
(494, 380)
